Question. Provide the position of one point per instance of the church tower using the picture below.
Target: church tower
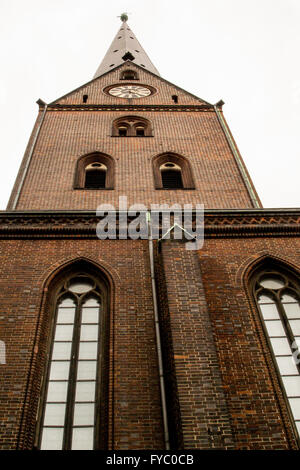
(123, 342)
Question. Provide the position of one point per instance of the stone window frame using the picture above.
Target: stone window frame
(131, 123)
(178, 160)
(85, 161)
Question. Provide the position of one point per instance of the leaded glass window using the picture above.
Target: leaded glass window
(278, 297)
(71, 392)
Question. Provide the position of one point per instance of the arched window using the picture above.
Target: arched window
(131, 126)
(95, 176)
(140, 129)
(172, 171)
(171, 176)
(123, 129)
(94, 171)
(277, 293)
(71, 414)
(129, 75)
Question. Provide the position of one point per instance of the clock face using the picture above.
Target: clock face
(130, 91)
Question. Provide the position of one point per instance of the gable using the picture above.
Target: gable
(96, 96)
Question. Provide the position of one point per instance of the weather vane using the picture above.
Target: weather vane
(124, 17)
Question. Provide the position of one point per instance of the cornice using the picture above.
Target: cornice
(129, 107)
(252, 223)
(217, 223)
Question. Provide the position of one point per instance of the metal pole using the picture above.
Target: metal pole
(157, 336)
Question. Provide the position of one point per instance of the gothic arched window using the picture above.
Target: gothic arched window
(123, 129)
(140, 129)
(94, 171)
(95, 176)
(131, 126)
(277, 294)
(70, 414)
(171, 176)
(172, 171)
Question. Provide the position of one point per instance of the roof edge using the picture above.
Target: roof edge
(139, 67)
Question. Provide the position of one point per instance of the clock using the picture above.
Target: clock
(129, 91)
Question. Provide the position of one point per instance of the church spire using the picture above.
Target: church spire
(125, 46)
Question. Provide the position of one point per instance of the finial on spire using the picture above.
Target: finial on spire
(124, 17)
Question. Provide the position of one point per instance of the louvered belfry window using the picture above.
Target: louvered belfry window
(140, 131)
(94, 171)
(129, 75)
(172, 171)
(69, 413)
(122, 131)
(171, 176)
(278, 296)
(95, 176)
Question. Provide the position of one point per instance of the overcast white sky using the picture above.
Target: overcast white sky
(245, 52)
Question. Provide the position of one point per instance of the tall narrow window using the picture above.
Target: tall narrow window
(278, 296)
(140, 131)
(171, 176)
(69, 418)
(122, 130)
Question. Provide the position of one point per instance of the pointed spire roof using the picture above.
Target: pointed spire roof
(125, 46)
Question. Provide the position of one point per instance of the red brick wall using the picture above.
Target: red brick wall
(223, 391)
(67, 134)
(205, 422)
(222, 388)
(228, 390)
(134, 408)
(257, 408)
(163, 96)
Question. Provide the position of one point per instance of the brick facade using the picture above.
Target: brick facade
(245, 407)
(135, 414)
(190, 129)
(222, 388)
